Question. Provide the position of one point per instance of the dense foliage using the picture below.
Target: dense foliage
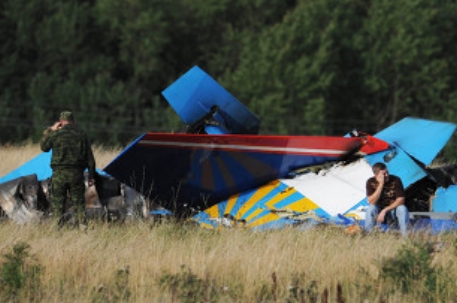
(311, 67)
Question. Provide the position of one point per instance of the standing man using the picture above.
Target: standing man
(386, 196)
(71, 155)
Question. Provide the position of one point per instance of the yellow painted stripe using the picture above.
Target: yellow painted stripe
(213, 211)
(206, 225)
(302, 205)
(254, 214)
(271, 217)
(281, 196)
(354, 216)
(258, 195)
(231, 202)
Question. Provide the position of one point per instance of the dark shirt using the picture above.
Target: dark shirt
(390, 192)
(70, 149)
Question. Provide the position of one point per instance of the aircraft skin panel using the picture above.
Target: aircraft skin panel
(270, 201)
(268, 216)
(231, 202)
(299, 206)
(194, 94)
(207, 225)
(444, 200)
(423, 139)
(39, 165)
(260, 208)
(227, 178)
(258, 195)
(208, 174)
(335, 190)
(207, 177)
(292, 204)
(399, 164)
(357, 212)
(275, 224)
(187, 167)
(204, 220)
(242, 199)
(214, 211)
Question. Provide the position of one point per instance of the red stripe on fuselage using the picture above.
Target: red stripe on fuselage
(294, 145)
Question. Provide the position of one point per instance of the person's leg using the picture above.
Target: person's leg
(77, 191)
(370, 217)
(58, 194)
(403, 219)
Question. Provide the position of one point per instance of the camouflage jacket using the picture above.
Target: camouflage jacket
(70, 149)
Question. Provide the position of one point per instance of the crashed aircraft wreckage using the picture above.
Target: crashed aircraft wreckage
(25, 198)
(221, 173)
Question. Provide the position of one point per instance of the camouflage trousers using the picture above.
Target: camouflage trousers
(67, 195)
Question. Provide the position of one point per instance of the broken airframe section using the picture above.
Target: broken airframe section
(336, 194)
(24, 195)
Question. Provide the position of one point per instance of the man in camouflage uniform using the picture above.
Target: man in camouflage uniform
(71, 155)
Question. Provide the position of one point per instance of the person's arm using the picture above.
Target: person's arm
(45, 142)
(373, 196)
(90, 164)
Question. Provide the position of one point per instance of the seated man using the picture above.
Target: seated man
(386, 196)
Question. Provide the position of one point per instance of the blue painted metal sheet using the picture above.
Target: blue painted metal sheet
(194, 94)
(38, 165)
(400, 165)
(423, 139)
(434, 226)
(445, 199)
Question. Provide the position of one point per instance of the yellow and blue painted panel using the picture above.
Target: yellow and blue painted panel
(261, 208)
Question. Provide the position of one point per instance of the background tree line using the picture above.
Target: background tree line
(309, 67)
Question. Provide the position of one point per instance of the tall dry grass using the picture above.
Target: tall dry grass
(172, 261)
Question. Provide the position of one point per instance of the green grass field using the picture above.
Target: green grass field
(179, 262)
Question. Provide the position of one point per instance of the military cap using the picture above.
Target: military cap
(67, 116)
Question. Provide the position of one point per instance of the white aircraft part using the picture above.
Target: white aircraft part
(337, 189)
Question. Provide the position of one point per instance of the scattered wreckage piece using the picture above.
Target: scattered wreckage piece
(26, 199)
(207, 107)
(38, 165)
(19, 199)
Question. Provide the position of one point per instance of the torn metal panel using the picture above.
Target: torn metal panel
(25, 199)
(195, 93)
(435, 222)
(273, 205)
(337, 189)
(420, 138)
(399, 164)
(445, 200)
(19, 199)
(39, 165)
